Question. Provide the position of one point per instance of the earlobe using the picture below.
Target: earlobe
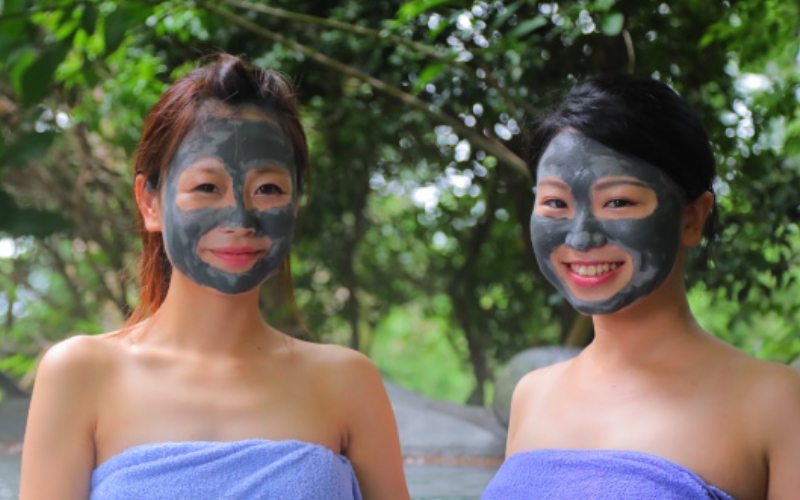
(149, 204)
(694, 218)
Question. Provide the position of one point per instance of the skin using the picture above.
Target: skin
(654, 381)
(228, 377)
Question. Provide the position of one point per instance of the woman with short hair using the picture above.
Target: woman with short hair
(655, 407)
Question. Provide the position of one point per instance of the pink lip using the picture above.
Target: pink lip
(238, 256)
(589, 281)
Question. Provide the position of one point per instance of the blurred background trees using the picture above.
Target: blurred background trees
(414, 246)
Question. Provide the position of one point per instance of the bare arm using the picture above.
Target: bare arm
(782, 409)
(373, 445)
(58, 454)
(522, 402)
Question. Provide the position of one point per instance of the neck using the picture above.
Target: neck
(649, 333)
(200, 319)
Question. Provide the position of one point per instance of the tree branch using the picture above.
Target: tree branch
(27, 13)
(74, 289)
(422, 48)
(489, 144)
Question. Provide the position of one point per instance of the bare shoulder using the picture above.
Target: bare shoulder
(338, 368)
(531, 392)
(59, 436)
(538, 382)
(82, 358)
(771, 403)
(773, 390)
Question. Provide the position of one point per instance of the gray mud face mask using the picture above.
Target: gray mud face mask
(240, 145)
(652, 241)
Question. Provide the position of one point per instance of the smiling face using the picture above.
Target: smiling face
(606, 227)
(229, 203)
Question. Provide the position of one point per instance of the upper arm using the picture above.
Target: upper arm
(373, 445)
(783, 441)
(58, 451)
(520, 405)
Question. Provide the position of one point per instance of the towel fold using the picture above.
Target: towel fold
(254, 469)
(596, 475)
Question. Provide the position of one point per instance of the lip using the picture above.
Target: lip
(591, 281)
(238, 256)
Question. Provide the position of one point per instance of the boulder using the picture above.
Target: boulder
(433, 429)
(521, 364)
(13, 417)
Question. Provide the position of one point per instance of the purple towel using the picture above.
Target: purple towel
(254, 469)
(596, 475)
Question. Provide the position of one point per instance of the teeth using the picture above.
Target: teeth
(593, 270)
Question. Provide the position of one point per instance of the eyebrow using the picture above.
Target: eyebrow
(558, 184)
(622, 182)
(209, 169)
(270, 167)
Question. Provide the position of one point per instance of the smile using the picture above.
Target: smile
(236, 257)
(592, 274)
(593, 269)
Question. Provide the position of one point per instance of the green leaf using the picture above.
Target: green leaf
(526, 27)
(706, 40)
(19, 221)
(414, 8)
(11, 28)
(18, 68)
(36, 79)
(34, 222)
(502, 18)
(27, 148)
(613, 23)
(428, 74)
(118, 22)
(89, 19)
(604, 5)
(10, 43)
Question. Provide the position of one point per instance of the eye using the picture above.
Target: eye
(269, 189)
(619, 203)
(206, 188)
(554, 203)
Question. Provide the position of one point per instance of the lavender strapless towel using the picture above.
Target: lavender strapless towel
(254, 469)
(596, 475)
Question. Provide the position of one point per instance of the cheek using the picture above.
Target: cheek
(654, 237)
(547, 234)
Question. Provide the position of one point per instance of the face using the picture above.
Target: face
(229, 203)
(606, 227)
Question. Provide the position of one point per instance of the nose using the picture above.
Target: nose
(585, 234)
(239, 217)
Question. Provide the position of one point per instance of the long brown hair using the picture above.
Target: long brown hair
(226, 80)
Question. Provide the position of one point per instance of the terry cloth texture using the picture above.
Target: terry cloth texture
(254, 469)
(596, 475)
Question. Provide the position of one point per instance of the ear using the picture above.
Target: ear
(695, 215)
(149, 202)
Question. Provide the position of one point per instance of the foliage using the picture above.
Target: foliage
(419, 200)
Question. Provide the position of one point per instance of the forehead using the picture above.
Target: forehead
(236, 142)
(575, 157)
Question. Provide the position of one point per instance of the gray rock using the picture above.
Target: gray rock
(521, 364)
(13, 416)
(432, 428)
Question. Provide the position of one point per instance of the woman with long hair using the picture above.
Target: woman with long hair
(655, 407)
(197, 397)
